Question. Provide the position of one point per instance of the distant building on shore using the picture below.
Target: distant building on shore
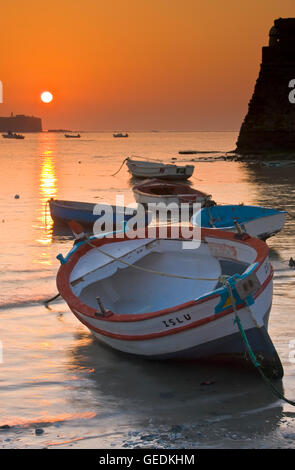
(20, 123)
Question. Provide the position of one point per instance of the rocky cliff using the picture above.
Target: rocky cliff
(269, 126)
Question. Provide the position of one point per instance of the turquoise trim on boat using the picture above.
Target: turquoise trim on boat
(63, 259)
(223, 216)
(223, 292)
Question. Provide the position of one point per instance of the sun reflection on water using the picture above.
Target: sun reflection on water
(47, 190)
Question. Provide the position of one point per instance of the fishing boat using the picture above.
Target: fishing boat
(72, 136)
(119, 134)
(12, 135)
(87, 213)
(158, 191)
(149, 297)
(257, 221)
(148, 169)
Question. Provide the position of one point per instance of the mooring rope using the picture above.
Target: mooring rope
(47, 302)
(114, 174)
(253, 358)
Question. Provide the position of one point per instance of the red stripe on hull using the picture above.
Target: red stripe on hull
(172, 331)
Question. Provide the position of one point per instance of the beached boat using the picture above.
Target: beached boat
(72, 136)
(257, 221)
(82, 212)
(157, 191)
(12, 135)
(119, 134)
(120, 289)
(148, 169)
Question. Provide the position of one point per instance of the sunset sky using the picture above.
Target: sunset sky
(134, 64)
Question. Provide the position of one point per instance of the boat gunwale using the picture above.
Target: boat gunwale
(59, 203)
(194, 192)
(156, 164)
(74, 302)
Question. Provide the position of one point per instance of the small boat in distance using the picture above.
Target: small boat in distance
(257, 221)
(119, 134)
(149, 297)
(168, 171)
(12, 135)
(72, 136)
(187, 152)
(63, 212)
(158, 191)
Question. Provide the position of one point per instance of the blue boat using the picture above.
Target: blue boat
(87, 213)
(260, 222)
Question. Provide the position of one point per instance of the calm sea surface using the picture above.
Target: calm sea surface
(55, 376)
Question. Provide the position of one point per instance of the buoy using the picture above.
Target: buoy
(291, 262)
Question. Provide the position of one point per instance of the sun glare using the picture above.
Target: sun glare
(46, 97)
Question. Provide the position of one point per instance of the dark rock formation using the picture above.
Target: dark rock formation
(269, 126)
(20, 123)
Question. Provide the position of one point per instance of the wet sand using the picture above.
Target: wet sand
(80, 394)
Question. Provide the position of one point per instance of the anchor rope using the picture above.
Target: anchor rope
(253, 358)
(116, 172)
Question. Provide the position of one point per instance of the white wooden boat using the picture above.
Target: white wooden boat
(157, 191)
(261, 222)
(109, 286)
(148, 169)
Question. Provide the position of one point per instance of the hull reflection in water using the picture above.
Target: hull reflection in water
(150, 297)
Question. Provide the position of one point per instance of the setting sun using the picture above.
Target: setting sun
(46, 97)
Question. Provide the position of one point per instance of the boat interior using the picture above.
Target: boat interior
(126, 290)
(167, 189)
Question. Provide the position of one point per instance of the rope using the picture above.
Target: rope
(249, 349)
(114, 174)
(50, 300)
(151, 271)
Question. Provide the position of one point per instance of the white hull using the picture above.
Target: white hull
(193, 337)
(146, 169)
(265, 227)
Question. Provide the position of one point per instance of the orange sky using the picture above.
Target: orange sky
(134, 64)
